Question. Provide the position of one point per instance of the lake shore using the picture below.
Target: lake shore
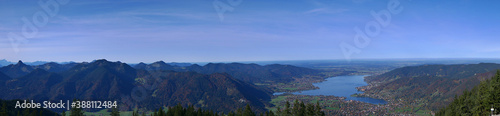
(341, 86)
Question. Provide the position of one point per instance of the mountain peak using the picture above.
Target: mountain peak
(159, 62)
(141, 65)
(101, 60)
(20, 62)
(16, 70)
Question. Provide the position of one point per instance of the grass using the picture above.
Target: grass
(272, 109)
(314, 101)
(331, 108)
(275, 102)
(278, 99)
(408, 109)
(423, 112)
(290, 88)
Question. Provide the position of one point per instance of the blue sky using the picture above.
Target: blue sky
(255, 30)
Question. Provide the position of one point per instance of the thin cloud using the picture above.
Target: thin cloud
(325, 11)
(360, 1)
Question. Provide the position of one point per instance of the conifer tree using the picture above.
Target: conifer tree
(278, 111)
(477, 101)
(295, 109)
(302, 109)
(3, 112)
(115, 111)
(248, 111)
(310, 110)
(318, 109)
(76, 111)
(286, 111)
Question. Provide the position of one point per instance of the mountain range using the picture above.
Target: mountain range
(247, 72)
(4, 62)
(215, 86)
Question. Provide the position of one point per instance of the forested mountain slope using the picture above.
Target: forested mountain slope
(477, 101)
(104, 80)
(432, 85)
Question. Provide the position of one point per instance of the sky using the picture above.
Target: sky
(246, 30)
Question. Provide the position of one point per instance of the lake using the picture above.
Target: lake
(343, 86)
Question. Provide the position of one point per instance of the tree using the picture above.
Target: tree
(295, 109)
(270, 113)
(278, 111)
(134, 113)
(230, 114)
(33, 113)
(115, 111)
(310, 110)
(239, 112)
(318, 109)
(199, 112)
(302, 109)
(477, 101)
(3, 112)
(248, 111)
(76, 111)
(286, 111)
(190, 111)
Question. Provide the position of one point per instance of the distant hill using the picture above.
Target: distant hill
(4, 62)
(16, 70)
(36, 63)
(159, 65)
(253, 73)
(175, 64)
(141, 65)
(180, 64)
(21, 69)
(433, 84)
(55, 67)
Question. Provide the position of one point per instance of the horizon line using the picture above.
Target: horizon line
(261, 61)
